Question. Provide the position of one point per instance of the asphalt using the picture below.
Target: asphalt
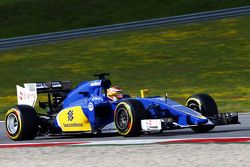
(238, 130)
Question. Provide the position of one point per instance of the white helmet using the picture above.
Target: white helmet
(115, 93)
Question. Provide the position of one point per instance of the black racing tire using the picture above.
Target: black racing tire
(128, 115)
(21, 122)
(204, 104)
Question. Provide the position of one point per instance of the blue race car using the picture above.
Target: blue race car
(96, 107)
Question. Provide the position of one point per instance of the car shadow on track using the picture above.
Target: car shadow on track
(170, 133)
(192, 133)
(77, 136)
(230, 130)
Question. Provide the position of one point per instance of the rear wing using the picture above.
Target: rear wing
(27, 95)
(53, 86)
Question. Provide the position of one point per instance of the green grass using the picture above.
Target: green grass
(25, 17)
(211, 57)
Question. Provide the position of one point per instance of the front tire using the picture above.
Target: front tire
(204, 104)
(21, 123)
(128, 116)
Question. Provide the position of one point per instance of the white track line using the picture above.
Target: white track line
(131, 142)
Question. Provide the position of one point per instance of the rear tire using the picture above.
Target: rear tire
(128, 116)
(204, 104)
(21, 123)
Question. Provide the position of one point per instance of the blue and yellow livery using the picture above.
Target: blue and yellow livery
(87, 109)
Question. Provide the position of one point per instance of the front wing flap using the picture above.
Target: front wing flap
(225, 118)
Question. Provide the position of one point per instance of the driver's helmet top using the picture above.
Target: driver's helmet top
(115, 93)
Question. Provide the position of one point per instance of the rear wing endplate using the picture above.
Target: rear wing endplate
(27, 95)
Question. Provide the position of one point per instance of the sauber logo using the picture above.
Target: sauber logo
(70, 115)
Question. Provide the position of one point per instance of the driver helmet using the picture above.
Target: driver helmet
(115, 93)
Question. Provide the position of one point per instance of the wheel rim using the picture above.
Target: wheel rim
(122, 119)
(194, 106)
(12, 123)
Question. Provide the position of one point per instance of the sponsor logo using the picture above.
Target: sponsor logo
(97, 98)
(73, 125)
(23, 95)
(96, 83)
(91, 106)
(153, 127)
(109, 130)
(70, 115)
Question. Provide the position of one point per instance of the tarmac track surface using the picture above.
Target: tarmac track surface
(229, 131)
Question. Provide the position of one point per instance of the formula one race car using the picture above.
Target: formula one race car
(87, 109)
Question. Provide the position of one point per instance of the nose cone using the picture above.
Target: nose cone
(192, 120)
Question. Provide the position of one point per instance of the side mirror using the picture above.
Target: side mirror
(85, 94)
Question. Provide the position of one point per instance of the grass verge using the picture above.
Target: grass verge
(211, 57)
(19, 17)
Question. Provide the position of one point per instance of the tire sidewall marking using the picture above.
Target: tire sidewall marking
(130, 123)
(196, 100)
(17, 113)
